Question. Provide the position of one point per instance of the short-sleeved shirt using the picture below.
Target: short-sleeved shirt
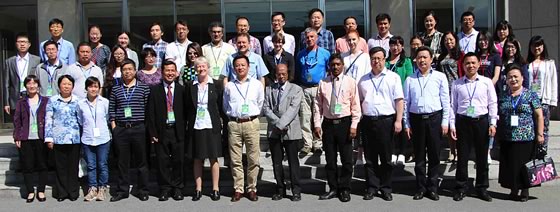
(342, 45)
(383, 42)
(257, 68)
(237, 94)
(311, 66)
(488, 63)
(177, 52)
(255, 44)
(325, 40)
(80, 74)
(217, 56)
(467, 42)
(525, 131)
(378, 93)
(186, 74)
(356, 65)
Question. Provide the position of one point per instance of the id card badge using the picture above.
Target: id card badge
(337, 109)
(96, 132)
(244, 109)
(216, 71)
(535, 87)
(33, 128)
(49, 91)
(378, 99)
(127, 112)
(421, 102)
(470, 111)
(21, 86)
(200, 113)
(170, 117)
(514, 121)
(309, 78)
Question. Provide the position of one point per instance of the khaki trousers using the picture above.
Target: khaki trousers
(240, 134)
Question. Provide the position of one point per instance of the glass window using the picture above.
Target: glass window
(296, 16)
(483, 11)
(107, 15)
(257, 11)
(143, 13)
(337, 11)
(198, 15)
(442, 9)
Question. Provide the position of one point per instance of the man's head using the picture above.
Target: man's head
(383, 21)
(156, 31)
(315, 16)
(22, 43)
(169, 71)
(84, 53)
(216, 32)
(336, 64)
(467, 21)
(424, 57)
(242, 43)
(128, 70)
(241, 66)
(377, 55)
(310, 37)
(51, 49)
(350, 23)
(242, 25)
(56, 27)
(278, 21)
(282, 73)
(471, 63)
(181, 30)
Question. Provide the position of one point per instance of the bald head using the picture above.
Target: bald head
(282, 73)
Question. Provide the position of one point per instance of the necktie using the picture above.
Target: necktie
(279, 96)
(169, 99)
(333, 97)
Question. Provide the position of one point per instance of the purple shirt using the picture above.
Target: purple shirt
(483, 94)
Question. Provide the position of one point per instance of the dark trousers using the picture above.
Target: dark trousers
(336, 139)
(472, 132)
(67, 158)
(277, 149)
(401, 144)
(378, 148)
(131, 142)
(33, 159)
(426, 138)
(170, 155)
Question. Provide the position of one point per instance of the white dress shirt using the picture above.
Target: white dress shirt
(22, 67)
(467, 42)
(378, 93)
(204, 122)
(237, 94)
(177, 52)
(289, 43)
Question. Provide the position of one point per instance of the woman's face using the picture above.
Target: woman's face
(503, 33)
(192, 54)
(483, 44)
(278, 45)
(514, 79)
(150, 59)
(415, 44)
(65, 86)
(450, 41)
(430, 23)
(537, 50)
(119, 55)
(123, 40)
(395, 49)
(94, 35)
(511, 50)
(352, 40)
(201, 70)
(93, 90)
(32, 87)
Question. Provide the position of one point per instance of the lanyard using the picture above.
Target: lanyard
(93, 113)
(87, 72)
(352, 64)
(484, 67)
(49, 69)
(201, 100)
(469, 92)
(425, 82)
(127, 96)
(34, 114)
(516, 102)
(246, 91)
(22, 73)
(277, 61)
(336, 94)
(466, 47)
(307, 62)
(376, 87)
(536, 71)
(213, 55)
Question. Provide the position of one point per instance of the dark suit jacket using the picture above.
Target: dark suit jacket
(11, 78)
(286, 58)
(214, 105)
(21, 119)
(156, 116)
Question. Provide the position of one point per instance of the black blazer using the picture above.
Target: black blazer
(157, 111)
(287, 59)
(214, 105)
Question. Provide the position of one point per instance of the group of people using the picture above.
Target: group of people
(200, 102)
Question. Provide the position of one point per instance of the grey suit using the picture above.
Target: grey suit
(44, 76)
(11, 89)
(284, 131)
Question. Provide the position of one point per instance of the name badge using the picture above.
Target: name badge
(200, 113)
(96, 132)
(21, 86)
(309, 78)
(244, 109)
(470, 111)
(421, 102)
(535, 87)
(216, 71)
(170, 117)
(127, 112)
(514, 121)
(33, 128)
(378, 99)
(49, 91)
(337, 109)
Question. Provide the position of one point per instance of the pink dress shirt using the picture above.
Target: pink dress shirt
(347, 92)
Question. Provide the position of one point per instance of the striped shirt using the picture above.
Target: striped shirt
(135, 97)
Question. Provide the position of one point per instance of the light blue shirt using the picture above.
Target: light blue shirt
(312, 66)
(94, 116)
(204, 122)
(236, 94)
(257, 68)
(467, 42)
(433, 89)
(66, 51)
(61, 125)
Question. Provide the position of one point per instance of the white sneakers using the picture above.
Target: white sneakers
(400, 159)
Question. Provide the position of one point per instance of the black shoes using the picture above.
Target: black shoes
(369, 195)
(163, 197)
(459, 196)
(278, 196)
(418, 196)
(143, 197)
(329, 195)
(296, 197)
(118, 197)
(344, 196)
(178, 195)
(60, 199)
(432, 195)
(386, 196)
(197, 195)
(483, 195)
(30, 200)
(215, 195)
(524, 196)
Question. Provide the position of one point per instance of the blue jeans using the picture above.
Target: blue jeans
(96, 159)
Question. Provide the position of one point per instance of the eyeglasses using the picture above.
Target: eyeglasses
(192, 53)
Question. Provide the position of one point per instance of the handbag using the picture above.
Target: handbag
(540, 171)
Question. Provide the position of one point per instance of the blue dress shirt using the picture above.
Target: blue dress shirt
(90, 117)
(66, 52)
(433, 89)
(257, 68)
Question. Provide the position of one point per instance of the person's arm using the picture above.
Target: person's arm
(538, 116)
(291, 67)
(71, 52)
(318, 110)
(113, 107)
(553, 84)
(445, 103)
(6, 87)
(398, 97)
(151, 115)
(49, 121)
(17, 120)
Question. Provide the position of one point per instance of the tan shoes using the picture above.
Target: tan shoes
(101, 193)
(92, 194)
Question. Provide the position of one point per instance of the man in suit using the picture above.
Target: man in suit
(166, 126)
(281, 108)
(16, 68)
(49, 71)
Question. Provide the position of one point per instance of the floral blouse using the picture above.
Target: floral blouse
(62, 121)
(450, 68)
(525, 131)
(187, 74)
(149, 79)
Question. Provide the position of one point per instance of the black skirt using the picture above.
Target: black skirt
(513, 156)
(206, 144)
